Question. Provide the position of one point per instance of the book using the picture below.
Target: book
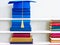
(55, 35)
(54, 44)
(55, 21)
(54, 40)
(21, 35)
(20, 9)
(21, 42)
(20, 29)
(54, 27)
(55, 24)
(14, 39)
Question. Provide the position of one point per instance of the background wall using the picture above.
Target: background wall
(41, 9)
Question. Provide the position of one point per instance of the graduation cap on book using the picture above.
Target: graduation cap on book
(21, 4)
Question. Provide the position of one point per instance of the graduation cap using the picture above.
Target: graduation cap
(20, 4)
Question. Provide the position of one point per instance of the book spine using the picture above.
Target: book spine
(21, 35)
(21, 42)
(54, 27)
(54, 24)
(21, 39)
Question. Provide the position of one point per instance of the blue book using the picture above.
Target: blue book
(16, 21)
(26, 16)
(16, 25)
(20, 13)
(27, 21)
(16, 16)
(20, 9)
(55, 27)
(20, 26)
(20, 29)
(21, 42)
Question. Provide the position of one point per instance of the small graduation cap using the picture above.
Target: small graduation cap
(21, 6)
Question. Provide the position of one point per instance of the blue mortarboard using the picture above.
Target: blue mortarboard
(20, 4)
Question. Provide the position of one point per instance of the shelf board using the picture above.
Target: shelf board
(14, 19)
(29, 19)
(46, 43)
(30, 44)
(30, 32)
(45, 18)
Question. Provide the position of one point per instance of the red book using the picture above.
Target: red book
(55, 35)
(55, 21)
(55, 24)
(54, 44)
(21, 35)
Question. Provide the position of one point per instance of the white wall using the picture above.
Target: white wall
(40, 9)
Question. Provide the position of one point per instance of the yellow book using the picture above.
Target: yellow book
(21, 39)
(55, 21)
(55, 41)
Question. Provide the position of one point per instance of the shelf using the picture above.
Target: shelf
(18, 19)
(13, 19)
(45, 18)
(31, 44)
(30, 32)
(30, 19)
(46, 43)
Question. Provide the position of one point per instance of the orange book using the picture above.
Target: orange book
(14, 39)
(55, 41)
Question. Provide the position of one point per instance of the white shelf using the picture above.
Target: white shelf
(30, 44)
(30, 32)
(46, 43)
(29, 19)
(14, 19)
(45, 18)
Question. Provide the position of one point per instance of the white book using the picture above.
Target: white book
(55, 38)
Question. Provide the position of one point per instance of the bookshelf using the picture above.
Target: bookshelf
(46, 11)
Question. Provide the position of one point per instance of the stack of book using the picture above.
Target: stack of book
(55, 26)
(17, 25)
(21, 38)
(55, 37)
(21, 9)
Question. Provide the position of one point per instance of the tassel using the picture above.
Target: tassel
(22, 25)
